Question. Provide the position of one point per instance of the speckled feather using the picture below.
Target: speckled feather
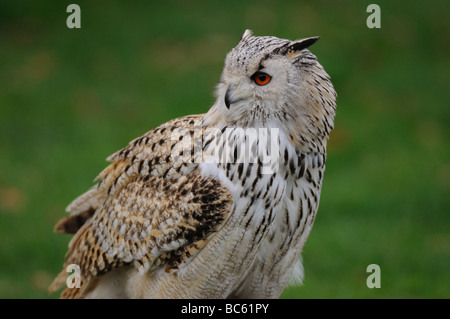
(127, 227)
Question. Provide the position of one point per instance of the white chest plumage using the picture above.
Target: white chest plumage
(274, 211)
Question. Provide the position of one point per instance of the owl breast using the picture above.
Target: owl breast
(275, 199)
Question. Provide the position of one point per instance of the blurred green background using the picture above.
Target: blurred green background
(71, 97)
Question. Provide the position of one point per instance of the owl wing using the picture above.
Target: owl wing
(152, 208)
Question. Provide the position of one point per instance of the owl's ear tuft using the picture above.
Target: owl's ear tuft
(299, 45)
(247, 33)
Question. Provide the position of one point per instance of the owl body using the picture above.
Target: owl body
(217, 205)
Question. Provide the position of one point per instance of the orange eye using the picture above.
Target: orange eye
(261, 78)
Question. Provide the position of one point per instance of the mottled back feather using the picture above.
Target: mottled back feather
(149, 212)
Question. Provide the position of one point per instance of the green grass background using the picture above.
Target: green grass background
(69, 98)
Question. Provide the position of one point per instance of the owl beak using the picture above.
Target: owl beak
(227, 97)
(230, 96)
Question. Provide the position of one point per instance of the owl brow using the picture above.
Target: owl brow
(265, 57)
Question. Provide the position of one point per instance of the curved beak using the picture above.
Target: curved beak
(228, 97)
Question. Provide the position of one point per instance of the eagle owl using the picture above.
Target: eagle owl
(216, 205)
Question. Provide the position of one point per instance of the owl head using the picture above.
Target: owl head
(273, 82)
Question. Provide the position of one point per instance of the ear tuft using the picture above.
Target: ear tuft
(247, 33)
(299, 45)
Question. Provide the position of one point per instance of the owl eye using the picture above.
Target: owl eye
(261, 78)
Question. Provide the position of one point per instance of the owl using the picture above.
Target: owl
(216, 205)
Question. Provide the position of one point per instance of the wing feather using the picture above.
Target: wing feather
(150, 208)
